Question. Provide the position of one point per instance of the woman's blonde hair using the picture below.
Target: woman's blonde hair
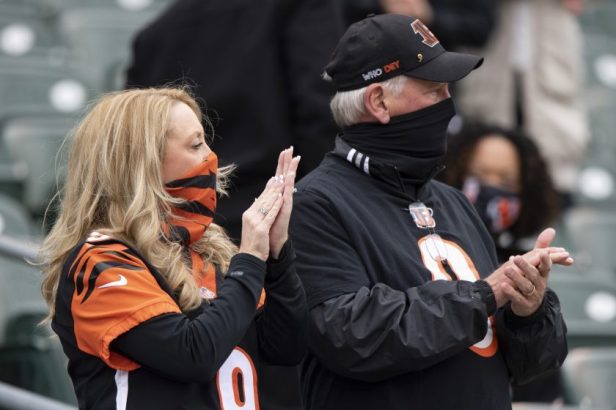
(114, 185)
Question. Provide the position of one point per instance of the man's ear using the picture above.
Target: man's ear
(375, 104)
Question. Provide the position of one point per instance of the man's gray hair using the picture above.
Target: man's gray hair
(348, 106)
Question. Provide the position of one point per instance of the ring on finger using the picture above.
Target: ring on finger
(530, 291)
(263, 210)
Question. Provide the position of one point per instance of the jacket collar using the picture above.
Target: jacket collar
(383, 172)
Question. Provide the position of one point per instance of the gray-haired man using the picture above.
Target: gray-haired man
(408, 308)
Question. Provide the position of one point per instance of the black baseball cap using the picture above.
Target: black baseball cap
(387, 45)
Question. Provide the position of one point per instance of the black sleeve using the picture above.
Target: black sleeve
(535, 344)
(378, 333)
(311, 33)
(282, 326)
(316, 230)
(188, 350)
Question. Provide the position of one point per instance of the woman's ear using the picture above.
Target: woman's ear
(375, 104)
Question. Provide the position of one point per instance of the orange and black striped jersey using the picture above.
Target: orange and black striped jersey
(130, 347)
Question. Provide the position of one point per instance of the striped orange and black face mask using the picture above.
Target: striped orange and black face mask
(189, 220)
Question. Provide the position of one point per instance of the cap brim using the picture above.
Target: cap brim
(447, 67)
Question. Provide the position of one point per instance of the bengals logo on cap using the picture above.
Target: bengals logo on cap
(420, 28)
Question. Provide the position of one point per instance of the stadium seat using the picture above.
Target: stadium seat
(49, 9)
(590, 376)
(101, 39)
(31, 359)
(32, 86)
(12, 174)
(23, 8)
(596, 183)
(593, 233)
(545, 406)
(20, 292)
(588, 303)
(599, 52)
(598, 18)
(37, 142)
(127, 5)
(14, 219)
(26, 35)
(602, 125)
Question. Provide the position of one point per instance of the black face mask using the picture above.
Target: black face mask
(415, 143)
(498, 208)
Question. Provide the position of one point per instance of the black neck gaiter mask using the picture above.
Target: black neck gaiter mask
(415, 143)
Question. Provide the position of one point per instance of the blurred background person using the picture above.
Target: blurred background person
(454, 23)
(532, 79)
(504, 176)
(257, 65)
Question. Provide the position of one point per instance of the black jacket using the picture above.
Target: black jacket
(383, 332)
(130, 347)
(257, 66)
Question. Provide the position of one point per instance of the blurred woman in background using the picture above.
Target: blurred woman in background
(503, 174)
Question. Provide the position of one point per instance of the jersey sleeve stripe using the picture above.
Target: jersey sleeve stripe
(96, 271)
(79, 260)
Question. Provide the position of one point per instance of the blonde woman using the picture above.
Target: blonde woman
(155, 307)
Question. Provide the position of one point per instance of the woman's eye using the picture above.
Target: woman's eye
(197, 146)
